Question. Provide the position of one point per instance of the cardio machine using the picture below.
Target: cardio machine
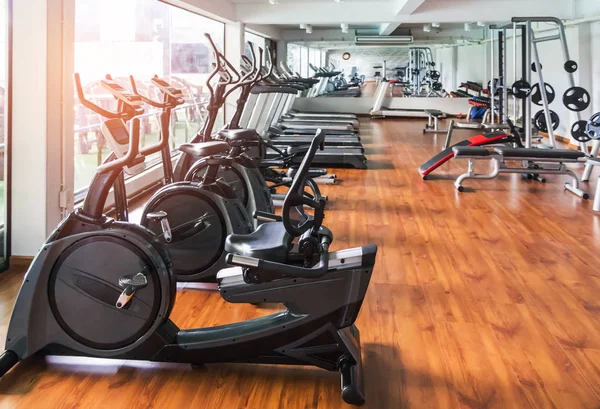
(102, 288)
(202, 214)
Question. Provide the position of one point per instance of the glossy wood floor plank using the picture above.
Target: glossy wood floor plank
(481, 300)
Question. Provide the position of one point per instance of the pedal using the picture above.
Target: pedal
(161, 217)
(130, 284)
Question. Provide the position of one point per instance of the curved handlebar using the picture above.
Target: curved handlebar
(145, 99)
(96, 108)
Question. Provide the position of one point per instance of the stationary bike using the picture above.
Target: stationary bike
(202, 213)
(102, 288)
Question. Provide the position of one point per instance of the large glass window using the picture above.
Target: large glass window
(314, 57)
(258, 41)
(304, 71)
(293, 58)
(142, 38)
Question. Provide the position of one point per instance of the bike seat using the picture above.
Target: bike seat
(270, 241)
(239, 134)
(202, 149)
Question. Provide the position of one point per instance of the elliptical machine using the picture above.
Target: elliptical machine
(202, 213)
(102, 288)
(240, 171)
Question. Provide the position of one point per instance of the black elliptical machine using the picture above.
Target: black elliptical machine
(202, 214)
(103, 288)
(237, 169)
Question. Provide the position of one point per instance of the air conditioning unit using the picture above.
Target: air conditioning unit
(383, 40)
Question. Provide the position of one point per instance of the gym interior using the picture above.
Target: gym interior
(299, 204)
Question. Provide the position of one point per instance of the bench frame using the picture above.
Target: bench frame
(529, 166)
(432, 125)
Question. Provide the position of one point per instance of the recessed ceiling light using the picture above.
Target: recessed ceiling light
(273, 1)
(435, 25)
(340, 1)
(344, 27)
(481, 23)
(467, 26)
(427, 28)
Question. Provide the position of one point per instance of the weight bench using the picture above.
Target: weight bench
(596, 162)
(532, 157)
(474, 126)
(432, 125)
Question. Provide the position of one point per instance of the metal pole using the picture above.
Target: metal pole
(542, 86)
(515, 100)
(492, 82)
(503, 57)
(526, 71)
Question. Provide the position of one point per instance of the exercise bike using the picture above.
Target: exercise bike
(102, 288)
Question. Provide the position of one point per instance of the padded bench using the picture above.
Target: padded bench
(531, 167)
(595, 162)
(433, 117)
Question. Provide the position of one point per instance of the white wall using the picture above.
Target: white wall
(366, 59)
(462, 64)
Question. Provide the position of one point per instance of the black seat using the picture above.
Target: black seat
(566, 154)
(434, 112)
(202, 149)
(239, 134)
(270, 241)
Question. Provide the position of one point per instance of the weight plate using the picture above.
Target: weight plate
(578, 132)
(539, 120)
(534, 67)
(536, 94)
(436, 86)
(570, 66)
(576, 99)
(592, 128)
(521, 89)
(435, 75)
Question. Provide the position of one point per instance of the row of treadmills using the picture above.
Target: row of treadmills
(269, 111)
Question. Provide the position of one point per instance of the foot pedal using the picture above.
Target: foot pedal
(161, 217)
(130, 283)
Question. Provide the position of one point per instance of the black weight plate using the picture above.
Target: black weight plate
(521, 89)
(536, 95)
(592, 128)
(570, 66)
(578, 132)
(435, 75)
(436, 86)
(534, 67)
(576, 99)
(539, 120)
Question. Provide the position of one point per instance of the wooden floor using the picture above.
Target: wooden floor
(481, 300)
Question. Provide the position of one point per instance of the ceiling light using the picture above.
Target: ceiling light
(302, 26)
(273, 1)
(467, 26)
(340, 1)
(427, 28)
(435, 25)
(308, 28)
(344, 27)
(481, 23)
(383, 40)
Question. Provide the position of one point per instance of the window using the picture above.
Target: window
(142, 38)
(293, 58)
(258, 41)
(314, 55)
(304, 71)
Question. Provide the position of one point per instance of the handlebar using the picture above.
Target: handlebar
(132, 151)
(130, 110)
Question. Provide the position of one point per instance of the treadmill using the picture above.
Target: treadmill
(260, 113)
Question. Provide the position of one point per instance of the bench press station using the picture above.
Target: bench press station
(533, 157)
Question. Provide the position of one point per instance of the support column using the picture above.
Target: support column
(281, 51)
(234, 48)
(37, 122)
